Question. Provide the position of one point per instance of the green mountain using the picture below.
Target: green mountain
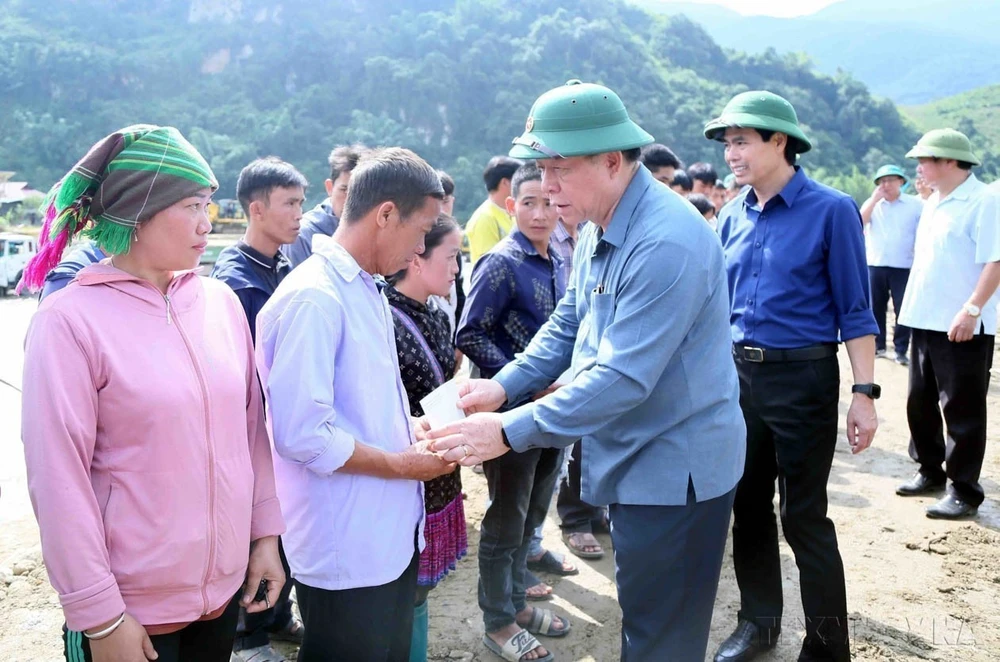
(912, 51)
(976, 113)
(452, 79)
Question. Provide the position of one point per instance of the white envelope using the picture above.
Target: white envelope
(441, 405)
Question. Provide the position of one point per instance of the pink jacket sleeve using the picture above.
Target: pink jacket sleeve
(266, 519)
(59, 428)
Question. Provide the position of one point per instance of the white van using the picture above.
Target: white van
(15, 251)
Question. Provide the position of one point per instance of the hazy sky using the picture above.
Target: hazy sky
(769, 7)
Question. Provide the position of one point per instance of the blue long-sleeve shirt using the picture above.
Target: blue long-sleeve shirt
(514, 290)
(655, 398)
(797, 270)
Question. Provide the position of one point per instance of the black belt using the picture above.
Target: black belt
(762, 355)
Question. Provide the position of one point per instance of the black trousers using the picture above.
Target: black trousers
(201, 641)
(575, 514)
(253, 630)
(370, 624)
(950, 378)
(886, 281)
(520, 487)
(791, 412)
(667, 565)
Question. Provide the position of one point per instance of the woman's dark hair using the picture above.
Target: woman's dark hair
(443, 226)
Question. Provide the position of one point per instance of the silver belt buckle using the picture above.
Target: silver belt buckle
(753, 354)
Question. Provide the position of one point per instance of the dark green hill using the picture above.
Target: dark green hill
(452, 80)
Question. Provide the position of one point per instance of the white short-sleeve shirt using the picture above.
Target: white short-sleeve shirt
(957, 236)
(892, 233)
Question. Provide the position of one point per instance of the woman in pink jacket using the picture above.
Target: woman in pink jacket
(148, 462)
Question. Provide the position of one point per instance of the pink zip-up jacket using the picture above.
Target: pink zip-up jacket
(148, 460)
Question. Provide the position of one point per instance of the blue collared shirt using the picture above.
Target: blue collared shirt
(514, 291)
(655, 398)
(797, 269)
(252, 275)
(326, 354)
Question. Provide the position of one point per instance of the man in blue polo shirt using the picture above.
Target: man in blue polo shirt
(271, 193)
(798, 285)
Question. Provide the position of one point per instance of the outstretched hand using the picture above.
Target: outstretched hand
(470, 441)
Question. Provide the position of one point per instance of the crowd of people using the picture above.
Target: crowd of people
(652, 346)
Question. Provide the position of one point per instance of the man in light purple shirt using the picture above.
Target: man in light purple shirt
(348, 466)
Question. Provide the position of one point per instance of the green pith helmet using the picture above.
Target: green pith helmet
(577, 119)
(890, 171)
(759, 109)
(944, 144)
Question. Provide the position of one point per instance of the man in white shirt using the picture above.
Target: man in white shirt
(890, 220)
(346, 466)
(951, 306)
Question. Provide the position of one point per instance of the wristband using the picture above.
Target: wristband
(106, 632)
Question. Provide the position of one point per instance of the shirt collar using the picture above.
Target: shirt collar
(338, 257)
(963, 190)
(624, 212)
(787, 194)
(523, 242)
(270, 263)
(561, 235)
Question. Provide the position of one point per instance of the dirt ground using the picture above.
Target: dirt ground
(918, 589)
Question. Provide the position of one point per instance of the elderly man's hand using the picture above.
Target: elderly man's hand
(481, 395)
(470, 441)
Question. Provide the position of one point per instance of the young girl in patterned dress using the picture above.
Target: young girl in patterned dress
(426, 351)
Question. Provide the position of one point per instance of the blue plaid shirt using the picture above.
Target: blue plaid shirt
(514, 291)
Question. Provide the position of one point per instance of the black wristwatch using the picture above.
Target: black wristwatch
(873, 391)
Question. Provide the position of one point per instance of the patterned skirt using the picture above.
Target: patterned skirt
(446, 542)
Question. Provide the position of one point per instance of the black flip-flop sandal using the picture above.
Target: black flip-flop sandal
(552, 564)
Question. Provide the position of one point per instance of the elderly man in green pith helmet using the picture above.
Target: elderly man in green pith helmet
(654, 395)
(951, 305)
(890, 219)
(798, 282)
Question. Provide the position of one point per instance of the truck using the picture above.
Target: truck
(15, 251)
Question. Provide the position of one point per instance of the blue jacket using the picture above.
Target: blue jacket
(645, 326)
(84, 255)
(318, 220)
(252, 275)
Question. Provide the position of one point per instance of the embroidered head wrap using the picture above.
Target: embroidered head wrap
(123, 181)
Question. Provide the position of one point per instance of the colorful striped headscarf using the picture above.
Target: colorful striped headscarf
(123, 181)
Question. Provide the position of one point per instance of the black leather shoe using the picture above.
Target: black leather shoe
(746, 641)
(952, 507)
(920, 484)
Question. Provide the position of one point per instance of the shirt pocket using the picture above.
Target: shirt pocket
(602, 314)
(156, 530)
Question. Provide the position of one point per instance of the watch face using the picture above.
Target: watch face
(876, 391)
